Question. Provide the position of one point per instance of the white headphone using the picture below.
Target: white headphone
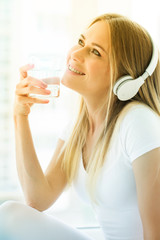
(126, 87)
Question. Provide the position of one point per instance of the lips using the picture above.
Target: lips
(75, 70)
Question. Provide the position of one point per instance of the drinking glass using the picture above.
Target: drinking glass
(49, 69)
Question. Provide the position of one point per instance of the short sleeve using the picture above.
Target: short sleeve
(140, 132)
(66, 131)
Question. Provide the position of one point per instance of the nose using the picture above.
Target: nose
(78, 55)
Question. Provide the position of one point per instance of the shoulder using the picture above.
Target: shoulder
(139, 130)
(139, 114)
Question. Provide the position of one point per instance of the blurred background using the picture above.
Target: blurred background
(37, 28)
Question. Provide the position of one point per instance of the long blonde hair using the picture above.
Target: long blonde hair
(130, 54)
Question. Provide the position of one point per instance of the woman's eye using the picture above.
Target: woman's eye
(80, 42)
(96, 52)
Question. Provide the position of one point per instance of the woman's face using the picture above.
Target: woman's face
(88, 62)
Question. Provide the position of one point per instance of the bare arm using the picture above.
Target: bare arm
(39, 190)
(147, 174)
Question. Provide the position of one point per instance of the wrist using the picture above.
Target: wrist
(21, 110)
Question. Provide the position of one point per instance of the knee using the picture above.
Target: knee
(11, 214)
(15, 220)
(14, 212)
(8, 217)
(10, 209)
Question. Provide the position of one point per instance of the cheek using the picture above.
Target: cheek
(100, 75)
(99, 70)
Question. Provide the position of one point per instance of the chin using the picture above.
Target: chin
(64, 81)
(70, 85)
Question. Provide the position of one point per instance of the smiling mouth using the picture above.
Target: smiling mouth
(75, 70)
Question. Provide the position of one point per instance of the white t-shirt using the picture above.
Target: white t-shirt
(117, 210)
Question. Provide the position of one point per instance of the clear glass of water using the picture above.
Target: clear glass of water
(49, 69)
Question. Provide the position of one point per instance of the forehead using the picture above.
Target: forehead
(99, 33)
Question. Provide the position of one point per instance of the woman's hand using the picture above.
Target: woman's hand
(26, 86)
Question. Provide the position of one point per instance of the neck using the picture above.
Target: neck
(96, 118)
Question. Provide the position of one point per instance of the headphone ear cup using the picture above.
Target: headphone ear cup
(119, 82)
(127, 87)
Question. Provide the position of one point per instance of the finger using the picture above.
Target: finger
(23, 70)
(30, 100)
(31, 81)
(31, 89)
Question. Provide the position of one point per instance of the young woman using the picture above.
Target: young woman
(111, 154)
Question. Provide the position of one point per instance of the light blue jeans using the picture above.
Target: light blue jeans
(21, 222)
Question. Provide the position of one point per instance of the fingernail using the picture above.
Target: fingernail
(44, 85)
(31, 65)
(48, 91)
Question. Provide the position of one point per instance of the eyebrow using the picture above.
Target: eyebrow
(95, 44)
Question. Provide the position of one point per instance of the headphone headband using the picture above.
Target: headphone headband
(126, 87)
(154, 60)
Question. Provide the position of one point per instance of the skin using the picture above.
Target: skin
(147, 176)
(42, 189)
(93, 61)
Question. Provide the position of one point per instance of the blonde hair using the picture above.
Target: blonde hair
(130, 54)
